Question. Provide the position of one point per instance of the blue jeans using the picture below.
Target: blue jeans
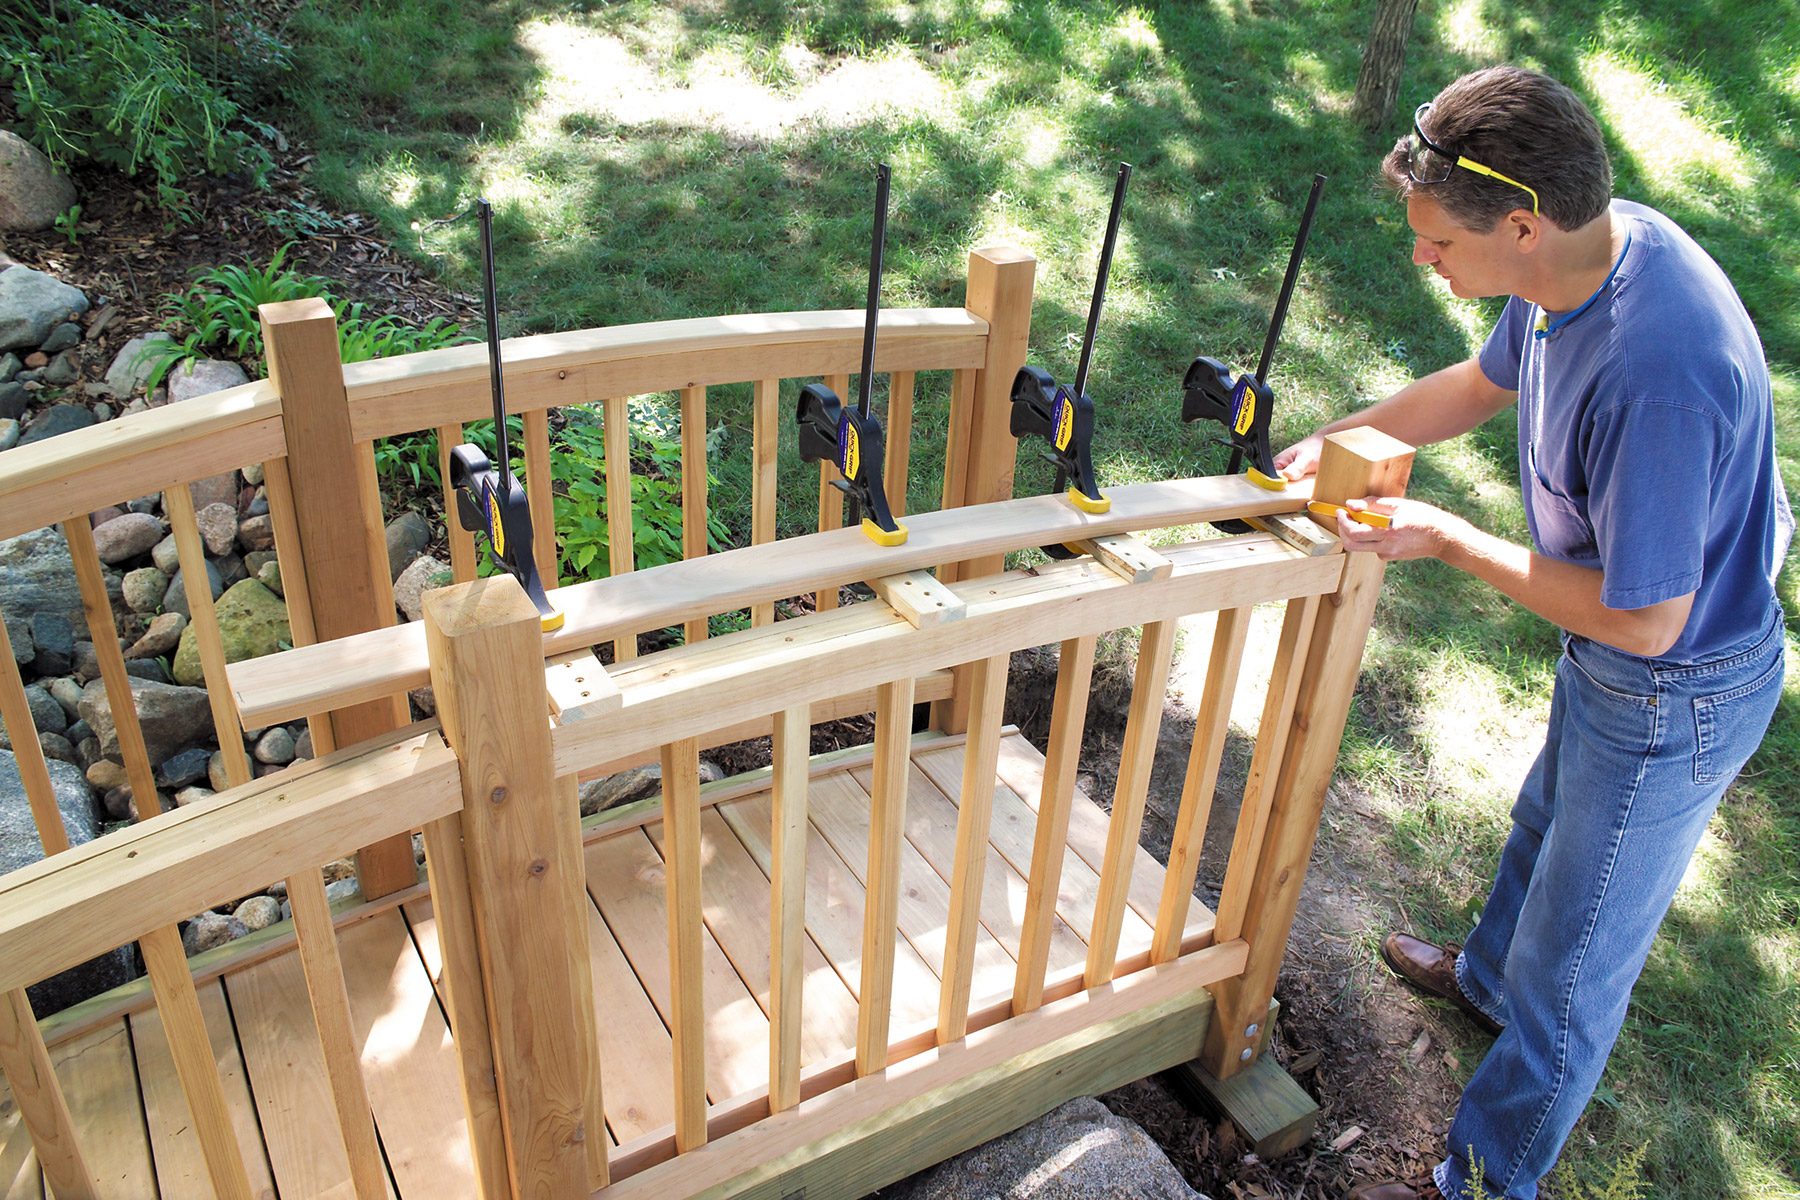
(1636, 757)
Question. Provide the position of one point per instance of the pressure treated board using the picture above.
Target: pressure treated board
(180, 1167)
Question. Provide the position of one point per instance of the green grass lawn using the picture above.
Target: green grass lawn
(654, 161)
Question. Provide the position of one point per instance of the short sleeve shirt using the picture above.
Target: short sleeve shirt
(1646, 437)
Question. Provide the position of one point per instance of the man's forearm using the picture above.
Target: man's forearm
(1442, 405)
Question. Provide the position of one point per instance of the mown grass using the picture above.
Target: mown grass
(656, 161)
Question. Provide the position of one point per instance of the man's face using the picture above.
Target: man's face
(1473, 264)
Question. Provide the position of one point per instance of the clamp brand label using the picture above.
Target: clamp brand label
(1065, 420)
(1245, 415)
(496, 529)
(849, 450)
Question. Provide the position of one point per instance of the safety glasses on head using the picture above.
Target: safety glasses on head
(1428, 162)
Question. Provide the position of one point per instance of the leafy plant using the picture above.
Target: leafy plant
(68, 223)
(93, 84)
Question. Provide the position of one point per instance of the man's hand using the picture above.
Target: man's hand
(1415, 529)
(1301, 459)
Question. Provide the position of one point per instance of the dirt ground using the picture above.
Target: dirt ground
(1382, 1064)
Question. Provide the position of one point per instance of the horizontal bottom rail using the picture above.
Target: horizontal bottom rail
(848, 1137)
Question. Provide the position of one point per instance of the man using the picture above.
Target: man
(1646, 458)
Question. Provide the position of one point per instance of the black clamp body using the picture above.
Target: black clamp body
(858, 446)
(1043, 408)
(499, 509)
(1241, 405)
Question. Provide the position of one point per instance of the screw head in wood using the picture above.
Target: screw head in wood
(1247, 1055)
(1252, 1029)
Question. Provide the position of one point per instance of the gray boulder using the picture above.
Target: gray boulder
(54, 635)
(161, 638)
(46, 713)
(36, 576)
(210, 929)
(20, 847)
(173, 718)
(218, 527)
(64, 337)
(175, 598)
(199, 376)
(627, 787)
(56, 420)
(33, 193)
(130, 367)
(424, 574)
(407, 536)
(143, 588)
(9, 432)
(32, 304)
(13, 399)
(1078, 1151)
(127, 536)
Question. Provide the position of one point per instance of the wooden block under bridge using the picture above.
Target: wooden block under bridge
(1272, 1113)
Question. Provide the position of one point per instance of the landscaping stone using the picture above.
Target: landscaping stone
(258, 912)
(424, 574)
(103, 412)
(53, 637)
(626, 787)
(9, 432)
(32, 304)
(253, 474)
(188, 795)
(253, 622)
(208, 930)
(64, 337)
(166, 555)
(303, 748)
(254, 560)
(58, 419)
(87, 662)
(13, 398)
(33, 193)
(215, 489)
(66, 692)
(130, 366)
(175, 598)
(231, 568)
(9, 366)
(257, 533)
(63, 370)
(1077, 1151)
(56, 746)
(162, 637)
(407, 536)
(275, 747)
(216, 778)
(20, 847)
(144, 588)
(335, 892)
(117, 804)
(218, 527)
(126, 537)
(46, 714)
(147, 668)
(187, 767)
(199, 376)
(104, 775)
(173, 718)
(269, 575)
(36, 576)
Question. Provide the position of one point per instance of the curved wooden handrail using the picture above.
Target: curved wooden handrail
(50, 481)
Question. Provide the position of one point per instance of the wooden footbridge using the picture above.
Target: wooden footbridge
(812, 979)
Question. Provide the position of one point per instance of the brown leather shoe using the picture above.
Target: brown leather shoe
(1432, 969)
(1396, 1191)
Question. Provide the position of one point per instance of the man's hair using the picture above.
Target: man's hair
(1524, 125)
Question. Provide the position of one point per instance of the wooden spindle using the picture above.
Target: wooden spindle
(899, 439)
(622, 555)
(1068, 717)
(981, 755)
(462, 542)
(881, 909)
(1265, 764)
(687, 1006)
(1210, 725)
(765, 459)
(538, 491)
(693, 489)
(178, 506)
(25, 1060)
(40, 793)
(296, 591)
(1143, 722)
(787, 903)
(831, 501)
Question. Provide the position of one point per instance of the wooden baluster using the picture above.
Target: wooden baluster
(787, 904)
(1068, 717)
(178, 506)
(26, 1063)
(765, 461)
(693, 489)
(981, 756)
(1149, 688)
(887, 833)
(40, 793)
(521, 848)
(1210, 725)
(687, 1007)
(831, 501)
(1355, 463)
(899, 439)
(538, 485)
(1265, 765)
(278, 486)
(622, 553)
(462, 542)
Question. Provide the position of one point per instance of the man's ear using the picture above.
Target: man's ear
(1526, 230)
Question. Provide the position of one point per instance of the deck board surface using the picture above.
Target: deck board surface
(132, 1119)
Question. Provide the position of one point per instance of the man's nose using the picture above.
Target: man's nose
(1424, 253)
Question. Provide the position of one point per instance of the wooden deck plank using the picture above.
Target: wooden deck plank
(180, 1166)
(287, 1077)
(1022, 770)
(409, 1064)
(840, 811)
(1013, 832)
(736, 905)
(20, 1178)
(834, 912)
(625, 878)
(931, 828)
(99, 1077)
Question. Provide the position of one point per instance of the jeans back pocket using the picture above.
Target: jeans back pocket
(1729, 725)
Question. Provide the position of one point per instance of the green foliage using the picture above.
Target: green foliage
(68, 223)
(91, 84)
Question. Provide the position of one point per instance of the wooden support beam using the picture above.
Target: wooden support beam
(1127, 557)
(579, 686)
(920, 598)
(347, 585)
(1272, 1113)
(1304, 533)
(1356, 463)
(523, 853)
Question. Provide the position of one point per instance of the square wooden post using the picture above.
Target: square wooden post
(521, 839)
(349, 587)
(1356, 463)
(980, 450)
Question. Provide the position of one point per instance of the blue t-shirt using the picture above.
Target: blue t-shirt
(1646, 437)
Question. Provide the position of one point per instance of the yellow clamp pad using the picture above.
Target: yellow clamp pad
(1276, 484)
(551, 621)
(1086, 505)
(1324, 508)
(882, 537)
